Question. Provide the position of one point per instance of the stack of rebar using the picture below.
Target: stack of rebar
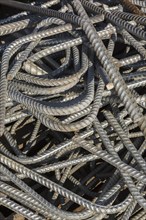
(73, 110)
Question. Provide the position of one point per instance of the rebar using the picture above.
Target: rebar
(73, 110)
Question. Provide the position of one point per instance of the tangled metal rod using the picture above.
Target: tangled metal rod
(73, 110)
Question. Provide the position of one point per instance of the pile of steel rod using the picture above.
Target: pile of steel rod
(73, 110)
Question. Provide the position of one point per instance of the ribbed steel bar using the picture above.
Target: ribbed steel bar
(73, 110)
